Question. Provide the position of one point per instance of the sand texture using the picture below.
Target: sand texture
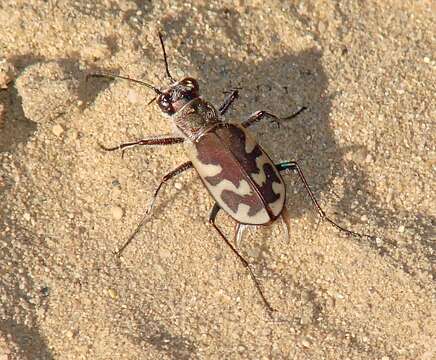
(366, 72)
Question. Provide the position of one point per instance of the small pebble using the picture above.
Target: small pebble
(117, 212)
(133, 97)
(7, 73)
(426, 59)
(401, 229)
(379, 241)
(305, 343)
(113, 294)
(57, 130)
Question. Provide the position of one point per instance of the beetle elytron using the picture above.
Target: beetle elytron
(238, 173)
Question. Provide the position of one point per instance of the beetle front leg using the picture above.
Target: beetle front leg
(213, 214)
(228, 101)
(153, 140)
(259, 115)
(293, 166)
(185, 166)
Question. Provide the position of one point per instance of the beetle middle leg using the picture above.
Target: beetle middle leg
(179, 169)
(216, 208)
(293, 166)
(259, 115)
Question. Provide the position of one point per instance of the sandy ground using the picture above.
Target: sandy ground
(366, 72)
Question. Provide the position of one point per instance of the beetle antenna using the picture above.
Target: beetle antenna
(110, 76)
(165, 58)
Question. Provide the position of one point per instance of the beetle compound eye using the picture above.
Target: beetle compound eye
(164, 101)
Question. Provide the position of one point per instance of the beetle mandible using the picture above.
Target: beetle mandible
(238, 173)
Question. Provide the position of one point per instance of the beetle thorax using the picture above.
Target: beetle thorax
(195, 118)
(191, 114)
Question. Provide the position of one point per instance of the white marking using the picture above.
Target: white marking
(241, 214)
(260, 178)
(242, 189)
(277, 206)
(206, 170)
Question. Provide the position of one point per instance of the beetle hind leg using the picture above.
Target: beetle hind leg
(213, 214)
(293, 166)
(286, 221)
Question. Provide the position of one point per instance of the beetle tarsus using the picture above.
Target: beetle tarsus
(261, 114)
(228, 101)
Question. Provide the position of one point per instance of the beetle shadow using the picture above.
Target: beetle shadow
(153, 331)
(16, 127)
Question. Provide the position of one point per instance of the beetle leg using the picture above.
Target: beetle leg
(286, 222)
(185, 166)
(153, 140)
(293, 166)
(228, 101)
(213, 214)
(259, 115)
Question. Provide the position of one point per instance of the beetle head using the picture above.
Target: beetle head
(173, 98)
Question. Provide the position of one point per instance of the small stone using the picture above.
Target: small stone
(26, 216)
(57, 130)
(7, 73)
(113, 294)
(117, 212)
(379, 242)
(305, 343)
(72, 135)
(133, 97)
(426, 59)
(401, 229)
(178, 186)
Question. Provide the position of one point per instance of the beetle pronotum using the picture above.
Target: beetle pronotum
(238, 173)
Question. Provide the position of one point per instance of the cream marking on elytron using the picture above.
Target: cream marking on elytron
(277, 206)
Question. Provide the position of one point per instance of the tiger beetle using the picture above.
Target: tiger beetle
(239, 174)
